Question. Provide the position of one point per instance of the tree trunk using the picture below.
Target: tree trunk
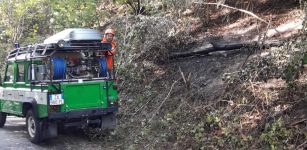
(208, 47)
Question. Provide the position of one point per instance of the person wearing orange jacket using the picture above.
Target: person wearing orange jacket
(109, 37)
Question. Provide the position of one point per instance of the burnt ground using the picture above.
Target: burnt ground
(166, 100)
(154, 98)
(230, 26)
(207, 72)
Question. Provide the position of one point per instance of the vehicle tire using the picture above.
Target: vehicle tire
(2, 119)
(34, 128)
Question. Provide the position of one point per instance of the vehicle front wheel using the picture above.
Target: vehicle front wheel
(2, 119)
(34, 128)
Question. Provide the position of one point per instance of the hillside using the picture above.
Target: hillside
(237, 99)
(193, 75)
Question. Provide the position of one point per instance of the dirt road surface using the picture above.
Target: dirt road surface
(14, 137)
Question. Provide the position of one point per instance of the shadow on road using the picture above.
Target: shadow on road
(14, 136)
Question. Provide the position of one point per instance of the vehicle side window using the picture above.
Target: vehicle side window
(9, 74)
(20, 73)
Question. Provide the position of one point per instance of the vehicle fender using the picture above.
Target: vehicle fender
(29, 101)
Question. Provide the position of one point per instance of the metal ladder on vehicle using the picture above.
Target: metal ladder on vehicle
(30, 51)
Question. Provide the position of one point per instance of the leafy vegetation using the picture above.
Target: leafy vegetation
(33, 20)
(168, 104)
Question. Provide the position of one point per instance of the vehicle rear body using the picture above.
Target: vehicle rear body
(62, 83)
(83, 100)
(99, 96)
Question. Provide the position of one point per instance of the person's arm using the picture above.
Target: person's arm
(113, 51)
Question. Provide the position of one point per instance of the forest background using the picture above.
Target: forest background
(252, 99)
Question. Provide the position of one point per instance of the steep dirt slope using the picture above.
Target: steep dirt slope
(156, 120)
(207, 72)
(218, 101)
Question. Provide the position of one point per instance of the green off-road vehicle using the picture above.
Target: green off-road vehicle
(62, 82)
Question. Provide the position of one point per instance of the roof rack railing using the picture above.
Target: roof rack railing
(29, 51)
(40, 50)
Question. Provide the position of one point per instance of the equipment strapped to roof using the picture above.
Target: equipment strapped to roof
(67, 40)
(75, 34)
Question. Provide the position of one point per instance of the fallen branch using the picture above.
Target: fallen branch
(182, 75)
(242, 10)
(222, 46)
(301, 146)
(297, 122)
(187, 81)
(168, 95)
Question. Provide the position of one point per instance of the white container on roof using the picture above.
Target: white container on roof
(75, 34)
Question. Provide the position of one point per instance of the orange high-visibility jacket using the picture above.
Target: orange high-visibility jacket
(109, 54)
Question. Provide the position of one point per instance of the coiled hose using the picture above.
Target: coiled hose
(103, 67)
(59, 68)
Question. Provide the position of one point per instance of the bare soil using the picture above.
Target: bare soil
(164, 107)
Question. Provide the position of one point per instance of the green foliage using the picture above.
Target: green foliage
(291, 73)
(305, 58)
(136, 5)
(296, 61)
(199, 132)
(74, 13)
(33, 20)
(276, 134)
(3, 54)
(19, 17)
(176, 4)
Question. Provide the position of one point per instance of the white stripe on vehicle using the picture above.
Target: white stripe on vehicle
(20, 94)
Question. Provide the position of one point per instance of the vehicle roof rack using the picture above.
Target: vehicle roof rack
(45, 50)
